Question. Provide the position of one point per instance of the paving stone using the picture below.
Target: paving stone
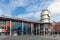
(27, 38)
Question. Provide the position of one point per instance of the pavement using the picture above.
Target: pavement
(30, 37)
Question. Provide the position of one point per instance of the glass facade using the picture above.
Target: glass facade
(17, 28)
(27, 28)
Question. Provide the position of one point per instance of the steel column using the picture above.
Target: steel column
(22, 27)
(39, 29)
(32, 28)
(10, 28)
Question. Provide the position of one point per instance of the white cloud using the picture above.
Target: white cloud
(56, 0)
(5, 9)
(2, 13)
(34, 10)
(55, 18)
(32, 16)
(54, 7)
(16, 3)
(5, 13)
(8, 15)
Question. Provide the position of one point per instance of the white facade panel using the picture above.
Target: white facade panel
(45, 16)
(45, 12)
(45, 20)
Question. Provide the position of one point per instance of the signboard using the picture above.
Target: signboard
(4, 30)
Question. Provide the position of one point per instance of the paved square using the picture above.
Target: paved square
(34, 37)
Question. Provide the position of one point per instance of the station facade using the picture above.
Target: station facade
(16, 26)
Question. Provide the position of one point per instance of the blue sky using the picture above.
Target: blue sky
(30, 9)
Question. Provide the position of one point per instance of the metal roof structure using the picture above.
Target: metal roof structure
(6, 18)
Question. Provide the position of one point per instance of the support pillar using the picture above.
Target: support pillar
(10, 28)
(22, 28)
(32, 28)
(39, 29)
(6, 28)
